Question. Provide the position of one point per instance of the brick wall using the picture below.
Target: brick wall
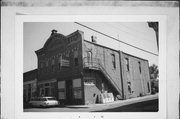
(137, 76)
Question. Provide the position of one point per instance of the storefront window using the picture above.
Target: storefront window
(61, 95)
(61, 84)
(77, 91)
(76, 83)
(61, 90)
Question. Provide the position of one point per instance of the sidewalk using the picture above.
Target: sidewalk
(115, 104)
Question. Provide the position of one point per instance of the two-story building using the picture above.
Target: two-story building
(77, 71)
(30, 85)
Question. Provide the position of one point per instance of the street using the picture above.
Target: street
(140, 104)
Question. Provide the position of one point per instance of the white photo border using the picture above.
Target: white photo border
(20, 19)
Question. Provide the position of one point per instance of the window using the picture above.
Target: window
(59, 62)
(53, 62)
(76, 83)
(103, 87)
(61, 90)
(139, 63)
(148, 87)
(61, 84)
(129, 87)
(127, 64)
(77, 91)
(76, 58)
(76, 61)
(41, 64)
(113, 60)
(47, 63)
(89, 57)
(62, 95)
(46, 84)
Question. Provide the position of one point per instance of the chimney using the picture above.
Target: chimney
(93, 39)
(53, 31)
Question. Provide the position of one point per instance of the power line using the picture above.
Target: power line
(116, 39)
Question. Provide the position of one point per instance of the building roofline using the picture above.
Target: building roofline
(65, 36)
(114, 50)
(101, 45)
(30, 71)
(134, 56)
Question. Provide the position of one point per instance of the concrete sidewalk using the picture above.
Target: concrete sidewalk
(115, 104)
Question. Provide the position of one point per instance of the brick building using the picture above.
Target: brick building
(30, 84)
(77, 71)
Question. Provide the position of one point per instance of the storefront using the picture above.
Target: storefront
(47, 88)
(70, 91)
(29, 90)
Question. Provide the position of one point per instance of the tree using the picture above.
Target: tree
(154, 74)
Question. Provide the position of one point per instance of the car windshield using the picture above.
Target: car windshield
(42, 99)
(51, 98)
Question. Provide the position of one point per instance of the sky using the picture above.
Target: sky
(134, 33)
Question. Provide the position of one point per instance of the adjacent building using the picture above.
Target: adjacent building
(30, 85)
(77, 71)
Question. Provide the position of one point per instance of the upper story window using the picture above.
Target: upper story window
(76, 62)
(89, 56)
(47, 62)
(127, 64)
(52, 64)
(139, 63)
(41, 64)
(113, 60)
(59, 62)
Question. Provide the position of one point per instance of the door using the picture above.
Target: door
(69, 93)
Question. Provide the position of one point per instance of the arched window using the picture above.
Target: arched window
(76, 62)
(89, 57)
(139, 63)
(53, 63)
(113, 60)
(127, 64)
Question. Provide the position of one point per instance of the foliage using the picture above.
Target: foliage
(154, 72)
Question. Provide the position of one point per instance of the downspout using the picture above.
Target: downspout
(122, 82)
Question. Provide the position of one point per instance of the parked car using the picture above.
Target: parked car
(44, 102)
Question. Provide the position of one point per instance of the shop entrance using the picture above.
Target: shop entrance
(69, 92)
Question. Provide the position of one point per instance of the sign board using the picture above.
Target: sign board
(107, 97)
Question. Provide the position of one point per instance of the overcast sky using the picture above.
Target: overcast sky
(137, 34)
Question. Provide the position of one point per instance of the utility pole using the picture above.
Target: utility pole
(155, 26)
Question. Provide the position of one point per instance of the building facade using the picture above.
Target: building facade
(30, 85)
(76, 71)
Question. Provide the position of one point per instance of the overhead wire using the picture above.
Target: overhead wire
(115, 38)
